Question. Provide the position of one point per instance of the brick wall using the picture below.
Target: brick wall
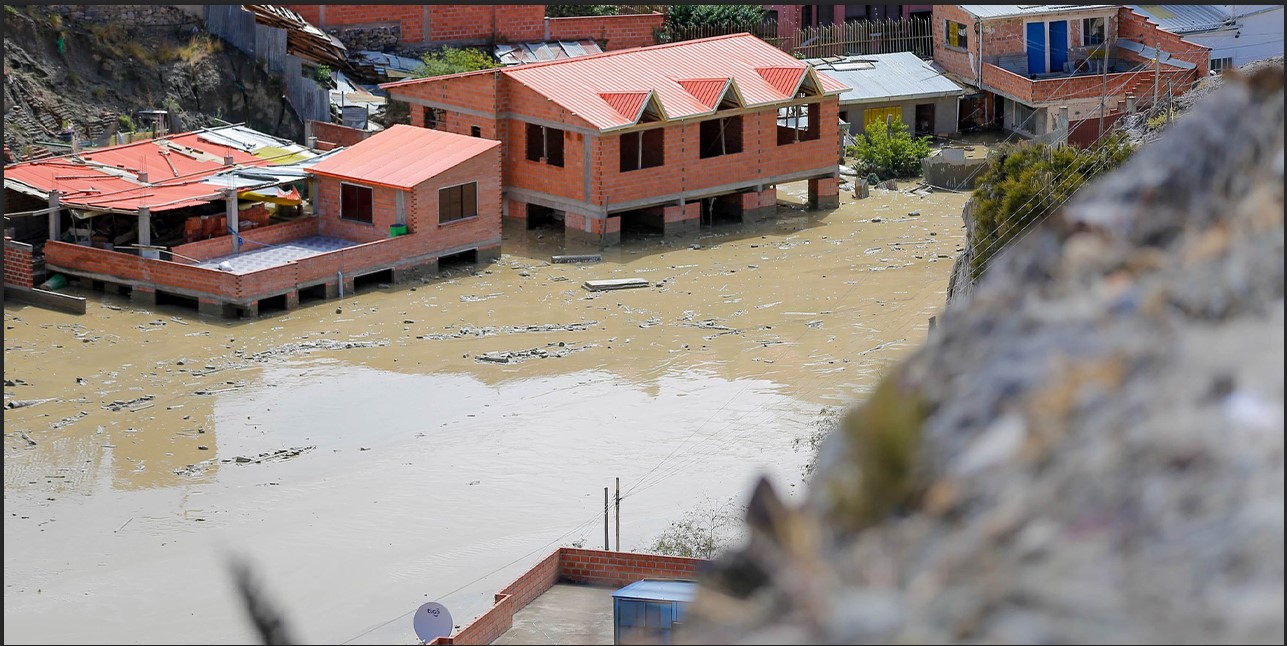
(19, 264)
(271, 234)
(439, 23)
(615, 32)
(953, 60)
(335, 134)
(593, 567)
(1136, 27)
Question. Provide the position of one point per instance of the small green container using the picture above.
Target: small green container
(397, 230)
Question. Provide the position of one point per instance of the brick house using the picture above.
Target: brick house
(372, 220)
(659, 138)
(467, 24)
(1031, 60)
(443, 188)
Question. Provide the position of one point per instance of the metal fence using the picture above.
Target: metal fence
(266, 44)
(842, 39)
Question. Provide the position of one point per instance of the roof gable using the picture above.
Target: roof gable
(783, 79)
(402, 157)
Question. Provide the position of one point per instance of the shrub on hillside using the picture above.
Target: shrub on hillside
(1023, 183)
(453, 61)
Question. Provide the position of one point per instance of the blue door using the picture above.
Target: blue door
(1036, 48)
(1058, 45)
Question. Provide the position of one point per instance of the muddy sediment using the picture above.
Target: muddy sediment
(460, 423)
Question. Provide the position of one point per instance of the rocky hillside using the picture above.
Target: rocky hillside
(92, 68)
(1088, 450)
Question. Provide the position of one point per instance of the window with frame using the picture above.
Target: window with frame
(355, 203)
(796, 124)
(643, 149)
(1092, 31)
(475, 131)
(720, 136)
(433, 117)
(545, 145)
(957, 35)
(457, 202)
(1219, 65)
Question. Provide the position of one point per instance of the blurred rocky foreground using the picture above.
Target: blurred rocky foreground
(1089, 450)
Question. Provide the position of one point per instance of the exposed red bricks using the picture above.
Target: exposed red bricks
(19, 265)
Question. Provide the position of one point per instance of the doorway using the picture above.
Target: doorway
(924, 119)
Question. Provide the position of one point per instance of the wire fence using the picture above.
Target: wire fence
(840, 39)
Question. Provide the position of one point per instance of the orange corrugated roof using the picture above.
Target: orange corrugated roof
(627, 104)
(107, 178)
(707, 91)
(578, 83)
(402, 157)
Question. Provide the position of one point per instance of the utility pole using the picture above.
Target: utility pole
(606, 546)
(1157, 69)
(1103, 92)
(618, 513)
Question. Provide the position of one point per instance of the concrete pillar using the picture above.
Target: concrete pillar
(763, 204)
(219, 309)
(230, 210)
(292, 300)
(145, 233)
(824, 193)
(250, 311)
(595, 230)
(1063, 125)
(1130, 104)
(55, 217)
(144, 296)
(490, 254)
(515, 210)
(683, 219)
(400, 207)
(333, 290)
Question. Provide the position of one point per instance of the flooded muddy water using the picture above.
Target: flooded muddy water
(431, 441)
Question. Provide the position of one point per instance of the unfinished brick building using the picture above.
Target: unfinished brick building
(1037, 58)
(661, 138)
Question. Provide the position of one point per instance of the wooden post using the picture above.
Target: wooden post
(618, 514)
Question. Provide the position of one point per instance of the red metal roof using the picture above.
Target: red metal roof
(578, 84)
(108, 178)
(402, 157)
(627, 104)
(707, 91)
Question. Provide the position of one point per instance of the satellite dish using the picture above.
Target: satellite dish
(432, 621)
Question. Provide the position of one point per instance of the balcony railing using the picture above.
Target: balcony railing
(1082, 61)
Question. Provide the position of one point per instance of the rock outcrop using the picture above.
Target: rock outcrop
(1089, 450)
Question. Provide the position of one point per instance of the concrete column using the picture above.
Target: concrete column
(400, 207)
(145, 233)
(824, 193)
(292, 300)
(230, 210)
(250, 311)
(580, 228)
(683, 219)
(515, 210)
(1063, 125)
(219, 309)
(145, 296)
(1130, 104)
(763, 204)
(55, 217)
(333, 290)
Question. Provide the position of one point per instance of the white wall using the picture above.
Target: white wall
(1260, 36)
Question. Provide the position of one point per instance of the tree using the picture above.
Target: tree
(453, 61)
(574, 10)
(703, 531)
(1025, 182)
(890, 152)
(744, 16)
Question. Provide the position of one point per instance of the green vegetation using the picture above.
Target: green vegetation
(744, 16)
(1026, 182)
(125, 123)
(890, 152)
(702, 533)
(574, 10)
(453, 61)
(322, 74)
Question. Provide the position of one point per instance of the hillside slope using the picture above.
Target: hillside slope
(93, 73)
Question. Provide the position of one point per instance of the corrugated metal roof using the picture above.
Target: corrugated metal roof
(1012, 10)
(764, 74)
(177, 169)
(402, 156)
(627, 104)
(658, 590)
(536, 52)
(886, 77)
(1185, 19)
(707, 91)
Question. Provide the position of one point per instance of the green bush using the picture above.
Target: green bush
(745, 16)
(574, 10)
(453, 61)
(704, 531)
(1025, 182)
(322, 74)
(890, 152)
(125, 123)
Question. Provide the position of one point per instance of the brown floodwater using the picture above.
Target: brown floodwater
(365, 459)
